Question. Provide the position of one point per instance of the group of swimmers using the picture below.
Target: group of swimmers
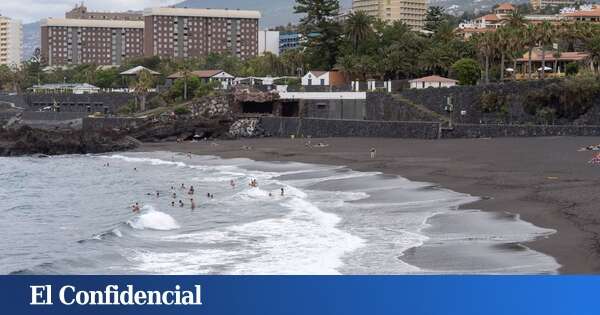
(253, 183)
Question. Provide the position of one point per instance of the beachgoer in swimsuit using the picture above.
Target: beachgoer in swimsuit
(136, 208)
(192, 204)
(191, 192)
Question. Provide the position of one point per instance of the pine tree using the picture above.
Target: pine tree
(321, 30)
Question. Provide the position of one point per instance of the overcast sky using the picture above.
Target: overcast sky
(34, 10)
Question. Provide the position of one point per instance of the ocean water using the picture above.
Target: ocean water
(72, 215)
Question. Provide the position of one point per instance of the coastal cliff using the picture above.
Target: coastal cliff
(25, 140)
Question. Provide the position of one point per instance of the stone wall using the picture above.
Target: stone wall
(320, 128)
(383, 106)
(335, 109)
(468, 99)
(497, 131)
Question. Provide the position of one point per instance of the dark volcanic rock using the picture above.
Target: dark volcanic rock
(185, 129)
(26, 140)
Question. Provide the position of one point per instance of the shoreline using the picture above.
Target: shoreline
(543, 180)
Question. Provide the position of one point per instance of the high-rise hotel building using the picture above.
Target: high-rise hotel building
(541, 4)
(81, 41)
(188, 33)
(11, 41)
(411, 12)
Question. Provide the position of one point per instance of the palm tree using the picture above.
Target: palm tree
(486, 44)
(530, 40)
(358, 28)
(186, 73)
(545, 36)
(516, 45)
(515, 20)
(503, 35)
(144, 82)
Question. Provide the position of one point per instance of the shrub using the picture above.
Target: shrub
(572, 68)
(466, 71)
(181, 111)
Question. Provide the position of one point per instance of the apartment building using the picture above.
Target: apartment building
(185, 33)
(540, 4)
(411, 12)
(11, 41)
(81, 41)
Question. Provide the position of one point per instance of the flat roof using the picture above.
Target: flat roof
(225, 13)
(92, 23)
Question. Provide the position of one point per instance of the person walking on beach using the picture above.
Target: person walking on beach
(373, 152)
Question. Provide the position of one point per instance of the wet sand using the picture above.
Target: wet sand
(544, 180)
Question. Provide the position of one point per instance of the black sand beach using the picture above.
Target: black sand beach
(544, 180)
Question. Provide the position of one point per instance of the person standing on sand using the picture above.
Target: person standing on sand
(373, 153)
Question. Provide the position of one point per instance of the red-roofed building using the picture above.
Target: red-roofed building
(504, 9)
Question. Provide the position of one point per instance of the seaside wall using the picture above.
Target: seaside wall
(497, 131)
(319, 128)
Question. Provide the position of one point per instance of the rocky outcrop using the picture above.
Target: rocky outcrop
(246, 128)
(179, 129)
(26, 140)
(249, 94)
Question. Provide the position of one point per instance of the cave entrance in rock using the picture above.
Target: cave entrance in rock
(257, 108)
(290, 109)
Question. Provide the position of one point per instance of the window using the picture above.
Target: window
(322, 81)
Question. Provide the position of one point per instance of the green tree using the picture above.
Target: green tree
(358, 28)
(545, 37)
(486, 44)
(320, 29)
(145, 81)
(466, 71)
(434, 17)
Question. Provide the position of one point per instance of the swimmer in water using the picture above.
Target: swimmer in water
(182, 186)
(232, 183)
(157, 194)
(180, 203)
(191, 192)
(135, 169)
(192, 204)
(172, 203)
(282, 191)
(174, 196)
(136, 208)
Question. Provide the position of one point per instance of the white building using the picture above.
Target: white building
(268, 41)
(11, 41)
(69, 88)
(433, 81)
(324, 78)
